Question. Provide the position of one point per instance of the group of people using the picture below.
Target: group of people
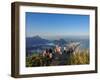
(55, 56)
(52, 55)
(49, 52)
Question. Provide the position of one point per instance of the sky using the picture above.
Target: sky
(47, 24)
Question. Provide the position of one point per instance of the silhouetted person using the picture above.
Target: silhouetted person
(50, 50)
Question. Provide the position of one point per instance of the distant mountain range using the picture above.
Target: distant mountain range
(37, 40)
(60, 42)
(38, 44)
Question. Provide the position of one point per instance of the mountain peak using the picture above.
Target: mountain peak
(37, 37)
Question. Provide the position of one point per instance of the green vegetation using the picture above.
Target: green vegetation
(37, 60)
(34, 60)
(75, 59)
(80, 58)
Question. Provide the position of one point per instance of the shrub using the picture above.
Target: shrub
(80, 58)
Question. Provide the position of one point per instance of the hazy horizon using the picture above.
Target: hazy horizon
(61, 37)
